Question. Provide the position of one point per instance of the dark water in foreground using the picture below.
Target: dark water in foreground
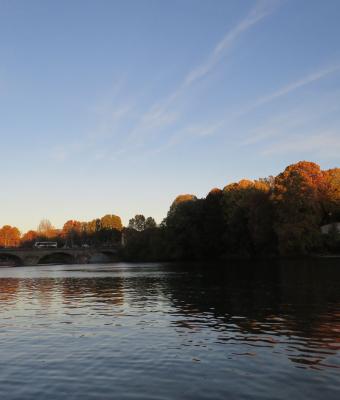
(152, 331)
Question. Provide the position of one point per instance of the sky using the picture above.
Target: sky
(117, 107)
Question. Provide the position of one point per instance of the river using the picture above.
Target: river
(241, 330)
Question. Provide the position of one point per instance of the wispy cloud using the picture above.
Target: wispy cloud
(324, 144)
(109, 120)
(261, 10)
(297, 118)
(167, 112)
(59, 153)
(180, 135)
(281, 92)
(62, 153)
(277, 125)
(291, 87)
(160, 114)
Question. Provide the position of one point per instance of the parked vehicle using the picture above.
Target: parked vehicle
(41, 245)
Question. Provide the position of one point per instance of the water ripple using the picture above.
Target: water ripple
(153, 331)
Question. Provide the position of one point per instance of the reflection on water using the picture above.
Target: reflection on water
(156, 331)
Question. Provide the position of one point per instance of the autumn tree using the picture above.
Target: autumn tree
(71, 226)
(298, 213)
(9, 236)
(28, 239)
(71, 232)
(331, 195)
(270, 216)
(182, 198)
(103, 231)
(46, 229)
(275, 215)
(111, 221)
(93, 226)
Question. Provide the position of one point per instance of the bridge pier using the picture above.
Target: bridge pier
(82, 258)
(30, 260)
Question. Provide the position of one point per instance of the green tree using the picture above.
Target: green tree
(137, 223)
(150, 223)
(184, 227)
(246, 208)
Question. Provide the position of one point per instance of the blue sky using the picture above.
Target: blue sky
(119, 106)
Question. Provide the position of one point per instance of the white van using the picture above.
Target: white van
(40, 245)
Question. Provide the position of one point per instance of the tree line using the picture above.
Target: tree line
(104, 231)
(276, 216)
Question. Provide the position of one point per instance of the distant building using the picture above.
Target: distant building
(329, 227)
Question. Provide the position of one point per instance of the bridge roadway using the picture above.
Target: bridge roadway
(34, 256)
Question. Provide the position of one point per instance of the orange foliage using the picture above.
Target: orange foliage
(71, 226)
(29, 236)
(183, 198)
(215, 191)
(9, 236)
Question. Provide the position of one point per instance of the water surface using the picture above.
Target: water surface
(157, 331)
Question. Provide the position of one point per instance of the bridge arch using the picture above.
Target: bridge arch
(11, 260)
(103, 256)
(57, 258)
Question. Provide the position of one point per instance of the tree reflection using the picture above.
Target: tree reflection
(106, 290)
(288, 307)
(294, 304)
(8, 289)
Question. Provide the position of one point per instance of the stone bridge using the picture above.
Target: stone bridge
(34, 256)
